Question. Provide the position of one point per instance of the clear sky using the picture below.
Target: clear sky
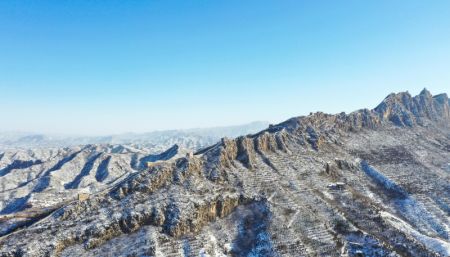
(100, 67)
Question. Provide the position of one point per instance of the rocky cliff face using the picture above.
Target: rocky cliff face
(370, 183)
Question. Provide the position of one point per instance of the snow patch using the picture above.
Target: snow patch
(435, 244)
(411, 209)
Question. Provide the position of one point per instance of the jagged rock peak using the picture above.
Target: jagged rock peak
(425, 92)
(404, 110)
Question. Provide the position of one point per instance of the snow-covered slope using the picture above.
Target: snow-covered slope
(369, 183)
(39, 180)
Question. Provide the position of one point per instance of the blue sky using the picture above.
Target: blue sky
(101, 67)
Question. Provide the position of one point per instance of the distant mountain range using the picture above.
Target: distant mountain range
(158, 140)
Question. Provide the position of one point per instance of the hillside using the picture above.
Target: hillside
(371, 183)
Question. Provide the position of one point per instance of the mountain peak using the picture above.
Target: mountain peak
(404, 110)
(425, 92)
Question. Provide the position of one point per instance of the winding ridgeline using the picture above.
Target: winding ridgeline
(369, 183)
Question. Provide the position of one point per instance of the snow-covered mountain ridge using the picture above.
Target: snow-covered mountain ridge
(369, 183)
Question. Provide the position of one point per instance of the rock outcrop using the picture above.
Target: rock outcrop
(404, 110)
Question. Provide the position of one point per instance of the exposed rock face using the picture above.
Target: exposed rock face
(269, 194)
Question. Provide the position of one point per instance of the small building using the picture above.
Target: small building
(152, 164)
(83, 197)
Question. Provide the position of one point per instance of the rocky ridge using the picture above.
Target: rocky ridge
(372, 182)
(36, 182)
